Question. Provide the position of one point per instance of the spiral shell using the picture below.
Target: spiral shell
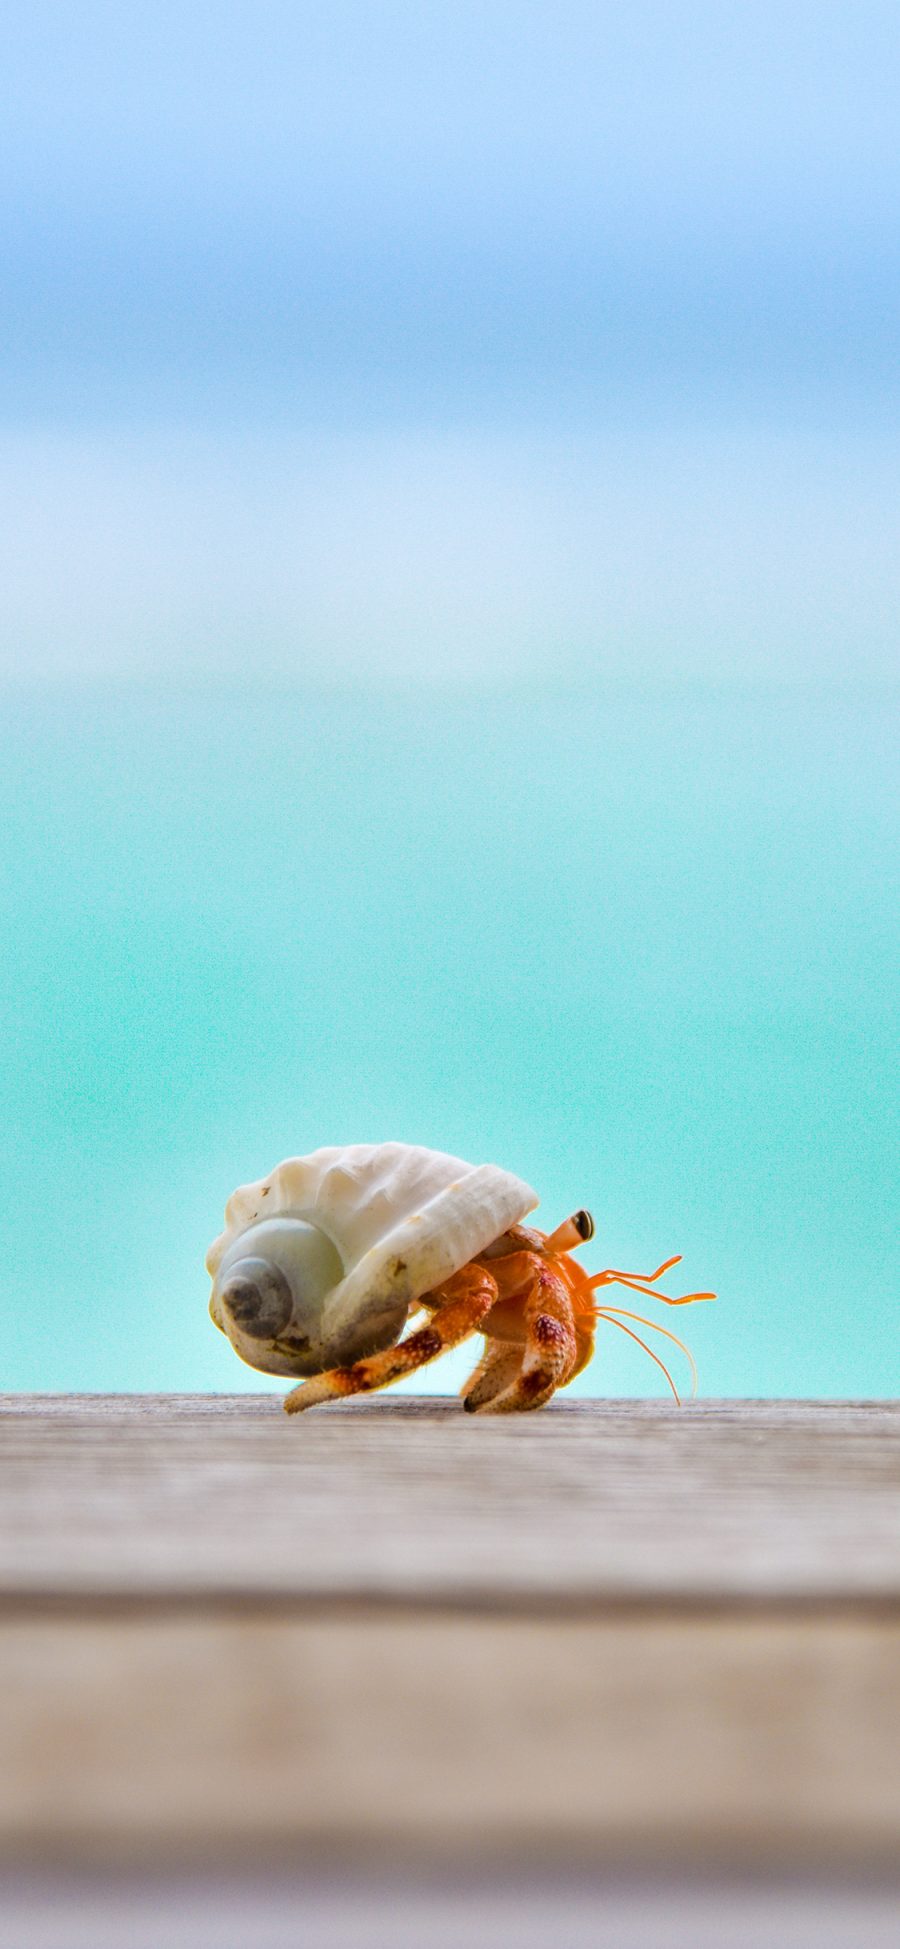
(320, 1262)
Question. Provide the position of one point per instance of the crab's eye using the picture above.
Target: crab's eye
(584, 1224)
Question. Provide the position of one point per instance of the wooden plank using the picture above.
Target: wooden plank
(607, 1631)
(584, 1503)
(690, 1738)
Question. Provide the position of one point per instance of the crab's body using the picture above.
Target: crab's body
(321, 1264)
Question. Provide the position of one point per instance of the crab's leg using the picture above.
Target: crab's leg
(551, 1345)
(497, 1368)
(584, 1348)
(457, 1309)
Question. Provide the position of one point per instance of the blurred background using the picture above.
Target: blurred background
(450, 572)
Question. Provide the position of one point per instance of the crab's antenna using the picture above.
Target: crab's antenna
(642, 1343)
(610, 1313)
(648, 1277)
(642, 1282)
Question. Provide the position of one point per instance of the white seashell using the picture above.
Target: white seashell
(320, 1262)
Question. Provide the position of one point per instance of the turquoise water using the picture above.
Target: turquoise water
(634, 945)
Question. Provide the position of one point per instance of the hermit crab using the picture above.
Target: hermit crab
(322, 1262)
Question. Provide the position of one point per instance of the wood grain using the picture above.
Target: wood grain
(606, 1631)
(585, 1502)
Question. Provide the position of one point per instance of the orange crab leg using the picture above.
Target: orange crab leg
(551, 1345)
(459, 1306)
(584, 1346)
(496, 1370)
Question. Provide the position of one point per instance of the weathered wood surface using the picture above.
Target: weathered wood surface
(684, 1737)
(413, 1500)
(604, 1631)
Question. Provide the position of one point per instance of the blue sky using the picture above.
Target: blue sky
(456, 342)
(395, 208)
(326, 276)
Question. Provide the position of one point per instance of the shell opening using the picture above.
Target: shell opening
(270, 1289)
(258, 1298)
